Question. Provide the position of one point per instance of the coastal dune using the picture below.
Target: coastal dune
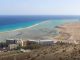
(69, 32)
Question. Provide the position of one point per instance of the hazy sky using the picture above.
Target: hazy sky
(39, 7)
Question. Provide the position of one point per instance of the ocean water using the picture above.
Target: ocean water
(8, 23)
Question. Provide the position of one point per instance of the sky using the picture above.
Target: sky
(39, 7)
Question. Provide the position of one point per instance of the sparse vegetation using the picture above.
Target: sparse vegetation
(56, 52)
(32, 46)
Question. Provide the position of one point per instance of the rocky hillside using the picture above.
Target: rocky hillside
(56, 52)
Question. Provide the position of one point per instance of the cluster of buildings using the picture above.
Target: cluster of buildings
(12, 44)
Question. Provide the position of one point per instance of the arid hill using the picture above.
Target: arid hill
(58, 51)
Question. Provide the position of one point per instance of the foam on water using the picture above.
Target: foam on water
(16, 23)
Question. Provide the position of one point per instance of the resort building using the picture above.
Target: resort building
(11, 41)
(22, 43)
(12, 46)
(45, 42)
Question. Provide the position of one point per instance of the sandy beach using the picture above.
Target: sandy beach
(40, 30)
(43, 30)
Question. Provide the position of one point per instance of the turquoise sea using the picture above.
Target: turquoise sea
(8, 23)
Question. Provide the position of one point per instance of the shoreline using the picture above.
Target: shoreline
(37, 25)
(36, 31)
(26, 27)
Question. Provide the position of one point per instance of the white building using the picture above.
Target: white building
(12, 46)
